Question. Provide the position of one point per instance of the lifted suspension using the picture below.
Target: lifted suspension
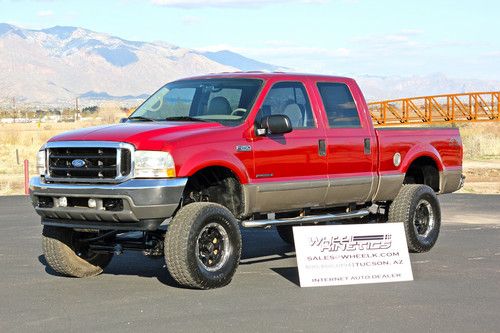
(150, 243)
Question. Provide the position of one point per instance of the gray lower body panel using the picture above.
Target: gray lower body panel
(349, 189)
(451, 180)
(287, 196)
(278, 196)
(388, 186)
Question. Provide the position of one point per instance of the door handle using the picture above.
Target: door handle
(321, 147)
(367, 146)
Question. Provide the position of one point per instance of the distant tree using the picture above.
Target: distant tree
(90, 109)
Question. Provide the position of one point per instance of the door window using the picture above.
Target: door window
(339, 105)
(290, 99)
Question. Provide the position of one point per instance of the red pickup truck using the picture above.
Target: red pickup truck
(206, 155)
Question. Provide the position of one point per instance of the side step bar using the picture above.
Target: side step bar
(311, 219)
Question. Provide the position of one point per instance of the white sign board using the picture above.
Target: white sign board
(351, 254)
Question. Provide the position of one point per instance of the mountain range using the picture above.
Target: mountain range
(56, 65)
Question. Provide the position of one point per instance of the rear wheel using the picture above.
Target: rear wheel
(418, 208)
(203, 246)
(67, 253)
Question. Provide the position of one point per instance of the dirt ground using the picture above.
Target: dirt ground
(482, 177)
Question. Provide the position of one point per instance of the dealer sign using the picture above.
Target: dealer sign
(352, 254)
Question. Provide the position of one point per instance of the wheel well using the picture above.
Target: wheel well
(423, 171)
(215, 184)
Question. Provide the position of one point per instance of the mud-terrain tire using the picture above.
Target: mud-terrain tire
(66, 257)
(203, 246)
(418, 208)
(286, 233)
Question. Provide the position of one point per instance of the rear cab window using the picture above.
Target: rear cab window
(339, 105)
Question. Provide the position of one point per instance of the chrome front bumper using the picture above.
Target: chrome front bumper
(145, 203)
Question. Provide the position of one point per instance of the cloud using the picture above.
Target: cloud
(400, 40)
(491, 54)
(45, 13)
(191, 20)
(412, 32)
(228, 3)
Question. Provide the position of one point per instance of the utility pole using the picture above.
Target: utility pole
(14, 108)
(77, 111)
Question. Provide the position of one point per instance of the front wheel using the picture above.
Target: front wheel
(418, 208)
(203, 246)
(66, 252)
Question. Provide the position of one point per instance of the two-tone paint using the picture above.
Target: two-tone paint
(290, 171)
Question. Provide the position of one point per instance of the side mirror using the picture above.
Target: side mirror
(123, 120)
(274, 124)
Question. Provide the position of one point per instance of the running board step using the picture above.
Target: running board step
(311, 219)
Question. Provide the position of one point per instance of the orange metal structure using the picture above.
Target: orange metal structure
(452, 108)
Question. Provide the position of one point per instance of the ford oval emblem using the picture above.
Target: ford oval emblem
(78, 163)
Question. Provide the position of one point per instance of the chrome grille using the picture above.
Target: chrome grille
(88, 161)
(97, 163)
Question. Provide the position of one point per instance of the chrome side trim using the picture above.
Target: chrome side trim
(351, 181)
(92, 144)
(306, 219)
(286, 186)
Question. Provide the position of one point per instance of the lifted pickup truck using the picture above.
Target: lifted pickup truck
(205, 155)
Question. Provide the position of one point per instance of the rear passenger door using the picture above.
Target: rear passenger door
(350, 150)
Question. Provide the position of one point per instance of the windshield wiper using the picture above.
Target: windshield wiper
(184, 118)
(140, 118)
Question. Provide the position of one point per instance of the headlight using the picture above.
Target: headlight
(40, 161)
(153, 164)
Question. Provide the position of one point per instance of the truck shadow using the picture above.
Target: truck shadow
(259, 246)
(289, 273)
(262, 246)
(130, 263)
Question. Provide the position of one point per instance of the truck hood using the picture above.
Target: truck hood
(143, 135)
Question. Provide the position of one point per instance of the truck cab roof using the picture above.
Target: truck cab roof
(267, 76)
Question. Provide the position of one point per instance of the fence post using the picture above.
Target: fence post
(26, 178)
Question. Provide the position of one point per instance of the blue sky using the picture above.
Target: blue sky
(460, 39)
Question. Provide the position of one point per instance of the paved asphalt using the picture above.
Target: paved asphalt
(456, 286)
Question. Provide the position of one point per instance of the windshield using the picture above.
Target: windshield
(226, 101)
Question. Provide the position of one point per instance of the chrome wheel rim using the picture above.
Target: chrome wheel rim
(423, 219)
(212, 247)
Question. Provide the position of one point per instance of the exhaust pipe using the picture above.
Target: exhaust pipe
(311, 219)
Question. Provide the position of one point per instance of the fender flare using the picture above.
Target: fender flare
(200, 161)
(421, 150)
